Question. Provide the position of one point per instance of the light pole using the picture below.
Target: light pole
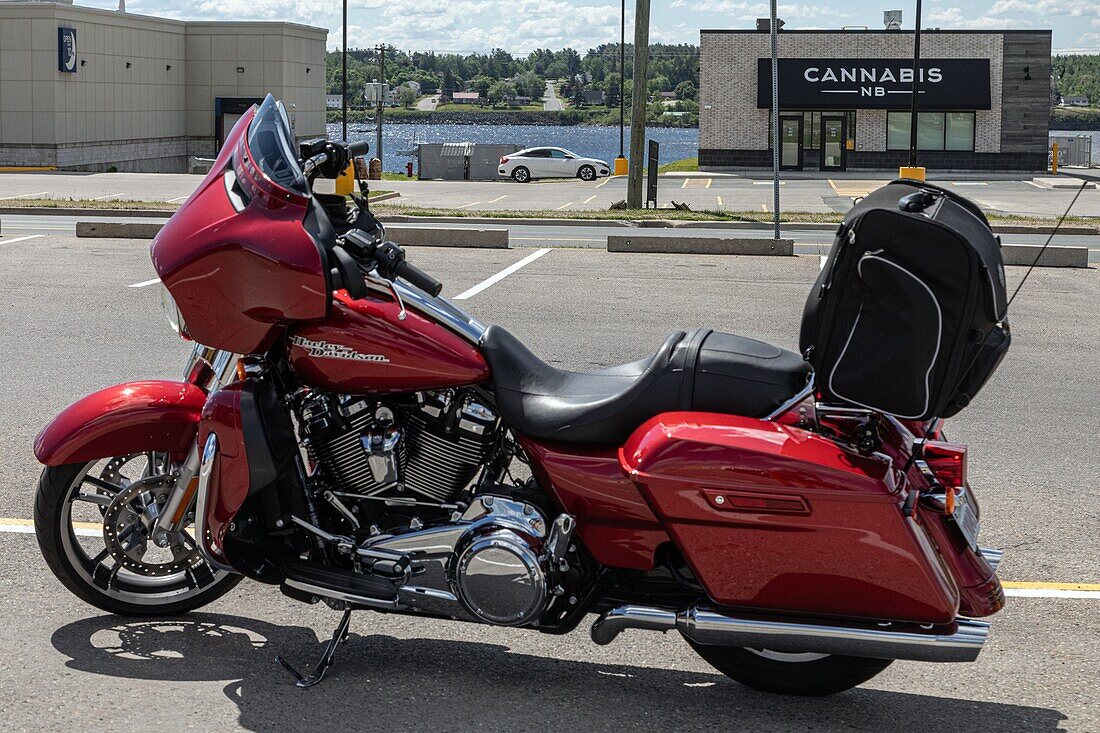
(381, 103)
(638, 105)
(775, 113)
(912, 170)
(622, 87)
(344, 76)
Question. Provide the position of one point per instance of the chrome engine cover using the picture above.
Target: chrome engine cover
(492, 565)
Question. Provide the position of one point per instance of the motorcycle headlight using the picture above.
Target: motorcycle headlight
(172, 312)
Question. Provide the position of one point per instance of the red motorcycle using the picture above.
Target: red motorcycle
(346, 434)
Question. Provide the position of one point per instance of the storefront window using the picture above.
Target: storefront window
(959, 134)
(935, 131)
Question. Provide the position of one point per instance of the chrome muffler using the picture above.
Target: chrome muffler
(705, 626)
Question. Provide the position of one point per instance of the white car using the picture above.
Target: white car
(531, 163)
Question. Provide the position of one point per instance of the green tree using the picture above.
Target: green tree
(501, 91)
(686, 90)
(406, 96)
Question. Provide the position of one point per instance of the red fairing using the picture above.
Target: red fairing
(238, 277)
(363, 347)
(128, 418)
(613, 520)
(773, 517)
(229, 482)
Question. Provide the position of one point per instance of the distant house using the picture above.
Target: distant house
(1077, 100)
(466, 97)
(593, 96)
(414, 85)
(334, 101)
(667, 95)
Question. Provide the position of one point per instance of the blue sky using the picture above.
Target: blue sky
(521, 25)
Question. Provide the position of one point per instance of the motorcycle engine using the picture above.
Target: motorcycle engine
(428, 451)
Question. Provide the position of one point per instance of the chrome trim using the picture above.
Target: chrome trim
(206, 468)
(992, 557)
(438, 308)
(706, 626)
(799, 397)
(322, 592)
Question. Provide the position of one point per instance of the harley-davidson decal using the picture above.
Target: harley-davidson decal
(335, 351)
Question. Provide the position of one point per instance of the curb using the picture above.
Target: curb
(116, 230)
(1024, 254)
(430, 237)
(60, 211)
(701, 246)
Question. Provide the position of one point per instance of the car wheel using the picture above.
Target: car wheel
(586, 173)
(521, 175)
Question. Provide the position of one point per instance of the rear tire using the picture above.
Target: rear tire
(521, 175)
(809, 675)
(126, 594)
(586, 173)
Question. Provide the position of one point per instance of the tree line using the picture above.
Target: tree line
(498, 74)
(1078, 75)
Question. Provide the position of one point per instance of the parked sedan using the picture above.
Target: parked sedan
(550, 163)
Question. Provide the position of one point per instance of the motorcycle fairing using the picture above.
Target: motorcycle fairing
(133, 417)
(771, 516)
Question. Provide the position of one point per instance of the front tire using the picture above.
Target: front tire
(521, 175)
(810, 675)
(105, 579)
(586, 173)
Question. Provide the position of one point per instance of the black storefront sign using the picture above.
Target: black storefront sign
(820, 84)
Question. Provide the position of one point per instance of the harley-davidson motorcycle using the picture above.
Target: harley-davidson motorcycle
(344, 433)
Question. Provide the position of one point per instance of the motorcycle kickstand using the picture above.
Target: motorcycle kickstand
(339, 636)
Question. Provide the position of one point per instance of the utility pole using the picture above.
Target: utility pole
(344, 75)
(638, 105)
(381, 101)
(775, 114)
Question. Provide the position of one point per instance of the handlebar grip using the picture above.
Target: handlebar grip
(418, 277)
(358, 149)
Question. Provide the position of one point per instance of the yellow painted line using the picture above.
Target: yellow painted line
(30, 523)
(564, 206)
(1014, 584)
(709, 181)
(23, 168)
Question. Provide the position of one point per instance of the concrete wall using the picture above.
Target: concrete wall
(142, 98)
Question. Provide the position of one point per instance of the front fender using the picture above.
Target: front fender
(154, 415)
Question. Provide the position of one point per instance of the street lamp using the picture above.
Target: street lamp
(344, 76)
(620, 162)
(912, 170)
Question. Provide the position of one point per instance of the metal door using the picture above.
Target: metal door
(833, 143)
(790, 143)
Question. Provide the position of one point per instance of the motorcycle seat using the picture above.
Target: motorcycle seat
(702, 370)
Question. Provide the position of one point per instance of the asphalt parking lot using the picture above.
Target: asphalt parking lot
(72, 324)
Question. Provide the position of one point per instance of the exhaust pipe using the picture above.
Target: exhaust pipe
(706, 626)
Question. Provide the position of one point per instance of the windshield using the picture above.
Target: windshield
(272, 146)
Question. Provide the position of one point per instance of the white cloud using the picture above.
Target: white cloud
(1072, 8)
(749, 11)
(955, 18)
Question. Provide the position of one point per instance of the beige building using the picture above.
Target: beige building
(89, 89)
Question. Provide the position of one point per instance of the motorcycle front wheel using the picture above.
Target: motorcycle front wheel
(91, 521)
(786, 673)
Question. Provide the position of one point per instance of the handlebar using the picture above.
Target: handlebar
(387, 258)
(330, 158)
(358, 149)
(418, 277)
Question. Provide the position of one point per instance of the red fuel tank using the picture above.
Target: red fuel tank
(364, 347)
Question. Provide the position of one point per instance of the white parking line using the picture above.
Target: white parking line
(25, 196)
(823, 258)
(604, 182)
(178, 198)
(501, 275)
(145, 283)
(589, 199)
(719, 201)
(498, 198)
(466, 206)
(564, 206)
(1052, 593)
(25, 526)
(21, 239)
(108, 196)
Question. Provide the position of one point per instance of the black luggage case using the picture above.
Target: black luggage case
(908, 316)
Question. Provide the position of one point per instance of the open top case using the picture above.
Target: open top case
(909, 314)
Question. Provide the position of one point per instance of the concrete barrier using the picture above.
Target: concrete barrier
(700, 245)
(116, 230)
(440, 237)
(1055, 256)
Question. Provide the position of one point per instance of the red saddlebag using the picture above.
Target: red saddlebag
(908, 316)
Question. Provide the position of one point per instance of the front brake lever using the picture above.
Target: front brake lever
(389, 285)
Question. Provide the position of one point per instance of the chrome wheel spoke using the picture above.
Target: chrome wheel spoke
(102, 500)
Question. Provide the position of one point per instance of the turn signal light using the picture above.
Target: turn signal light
(503, 159)
(947, 461)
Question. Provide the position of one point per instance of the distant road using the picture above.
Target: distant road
(427, 104)
(550, 101)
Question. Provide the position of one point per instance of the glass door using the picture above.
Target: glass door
(790, 143)
(833, 145)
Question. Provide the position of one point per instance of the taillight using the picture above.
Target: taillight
(503, 159)
(947, 461)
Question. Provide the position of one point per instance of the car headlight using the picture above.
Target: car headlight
(172, 312)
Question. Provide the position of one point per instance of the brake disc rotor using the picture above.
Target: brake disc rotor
(125, 530)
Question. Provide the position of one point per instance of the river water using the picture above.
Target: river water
(590, 141)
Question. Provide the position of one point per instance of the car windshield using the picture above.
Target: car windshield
(272, 147)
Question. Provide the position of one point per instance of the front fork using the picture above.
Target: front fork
(210, 369)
